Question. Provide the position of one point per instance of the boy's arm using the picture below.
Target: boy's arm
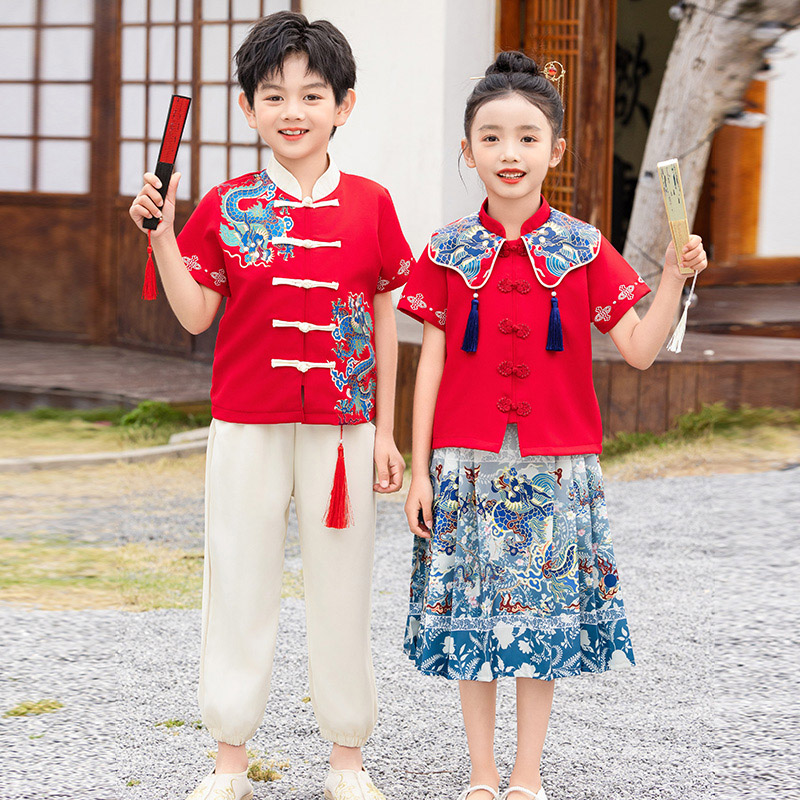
(388, 461)
(639, 340)
(194, 305)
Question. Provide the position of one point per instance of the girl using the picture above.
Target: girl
(514, 573)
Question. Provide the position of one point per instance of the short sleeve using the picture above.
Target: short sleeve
(425, 295)
(396, 258)
(200, 246)
(614, 287)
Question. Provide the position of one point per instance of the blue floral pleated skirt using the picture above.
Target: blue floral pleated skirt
(519, 576)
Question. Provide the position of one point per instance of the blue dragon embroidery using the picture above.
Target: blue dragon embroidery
(519, 519)
(556, 247)
(250, 232)
(353, 337)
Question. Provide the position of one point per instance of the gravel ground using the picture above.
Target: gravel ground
(707, 567)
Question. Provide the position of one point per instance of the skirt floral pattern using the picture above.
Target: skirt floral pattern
(519, 576)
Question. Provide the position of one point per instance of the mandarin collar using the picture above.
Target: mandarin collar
(288, 184)
(530, 224)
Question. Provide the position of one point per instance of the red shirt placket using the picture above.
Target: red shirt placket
(515, 328)
(301, 216)
(302, 241)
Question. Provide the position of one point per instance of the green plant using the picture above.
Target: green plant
(153, 414)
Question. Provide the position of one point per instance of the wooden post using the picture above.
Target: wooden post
(105, 171)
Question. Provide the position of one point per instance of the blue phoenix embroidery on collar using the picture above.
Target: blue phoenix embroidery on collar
(466, 246)
(556, 247)
(565, 243)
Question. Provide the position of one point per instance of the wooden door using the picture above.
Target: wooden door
(581, 34)
(184, 47)
(85, 89)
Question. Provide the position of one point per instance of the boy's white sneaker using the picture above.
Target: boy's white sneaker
(226, 786)
(351, 784)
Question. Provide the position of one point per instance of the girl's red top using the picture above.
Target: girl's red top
(512, 377)
(295, 343)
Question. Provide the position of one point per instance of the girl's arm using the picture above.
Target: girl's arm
(194, 305)
(388, 460)
(639, 340)
(426, 389)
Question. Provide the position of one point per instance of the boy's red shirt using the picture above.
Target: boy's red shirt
(295, 342)
(512, 377)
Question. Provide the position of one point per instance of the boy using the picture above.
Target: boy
(305, 255)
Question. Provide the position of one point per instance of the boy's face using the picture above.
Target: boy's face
(294, 113)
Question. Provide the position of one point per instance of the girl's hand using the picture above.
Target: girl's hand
(148, 204)
(420, 499)
(389, 465)
(694, 258)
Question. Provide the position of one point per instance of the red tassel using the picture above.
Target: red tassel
(340, 511)
(150, 288)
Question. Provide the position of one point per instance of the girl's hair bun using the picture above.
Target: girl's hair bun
(513, 61)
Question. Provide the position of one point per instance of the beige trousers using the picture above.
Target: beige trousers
(252, 471)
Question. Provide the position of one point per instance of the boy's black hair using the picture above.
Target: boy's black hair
(278, 35)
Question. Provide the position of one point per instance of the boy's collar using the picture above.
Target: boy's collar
(288, 184)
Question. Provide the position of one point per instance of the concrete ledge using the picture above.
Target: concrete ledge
(197, 435)
(142, 454)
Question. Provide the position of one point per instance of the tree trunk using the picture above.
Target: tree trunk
(712, 62)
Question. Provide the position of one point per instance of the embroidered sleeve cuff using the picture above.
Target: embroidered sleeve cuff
(416, 308)
(215, 279)
(605, 317)
(386, 284)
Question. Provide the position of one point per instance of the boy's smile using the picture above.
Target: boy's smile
(291, 134)
(295, 112)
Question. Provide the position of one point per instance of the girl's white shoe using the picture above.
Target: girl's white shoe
(226, 786)
(467, 792)
(540, 795)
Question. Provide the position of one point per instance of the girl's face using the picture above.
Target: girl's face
(511, 145)
(296, 111)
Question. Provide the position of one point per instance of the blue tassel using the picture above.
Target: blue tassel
(555, 338)
(470, 343)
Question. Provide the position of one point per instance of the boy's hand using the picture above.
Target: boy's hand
(419, 507)
(694, 258)
(389, 465)
(148, 203)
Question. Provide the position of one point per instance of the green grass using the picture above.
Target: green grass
(149, 413)
(133, 576)
(712, 420)
(54, 431)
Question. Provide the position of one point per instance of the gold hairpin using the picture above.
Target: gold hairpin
(554, 72)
